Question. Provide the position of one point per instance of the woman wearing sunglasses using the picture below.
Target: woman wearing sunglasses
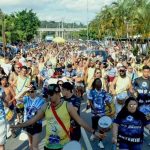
(129, 126)
(32, 103)
(57, 132)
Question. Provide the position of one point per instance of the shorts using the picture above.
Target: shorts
(95, 122)
(130, 146)
(45, 148)
(19, 110)
(75, 134)
(34, 129)
(3, 131)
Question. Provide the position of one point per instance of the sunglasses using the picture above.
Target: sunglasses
(31, 91)
(121, 70)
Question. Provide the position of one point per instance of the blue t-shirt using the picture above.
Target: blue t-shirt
(142, 86)
(2, 112)
(32, 106)
(99, 100)
(131, 126)
(69, 74)
(76, 102)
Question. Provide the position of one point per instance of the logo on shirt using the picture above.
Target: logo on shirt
(144, 84)
(129, 118)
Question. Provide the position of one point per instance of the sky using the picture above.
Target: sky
(57, 10)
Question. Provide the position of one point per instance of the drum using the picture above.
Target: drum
(105, 123)
(73, 145)
(121, 97)
(9, 114)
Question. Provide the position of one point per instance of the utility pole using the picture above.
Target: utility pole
(87, 21)
(3, 32)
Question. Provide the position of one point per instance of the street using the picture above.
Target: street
(16, 144)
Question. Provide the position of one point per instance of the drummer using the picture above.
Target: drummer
(98, 98)
(120, 86)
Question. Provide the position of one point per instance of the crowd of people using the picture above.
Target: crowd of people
(51, 81)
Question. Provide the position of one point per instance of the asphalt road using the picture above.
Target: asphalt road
(16, 144)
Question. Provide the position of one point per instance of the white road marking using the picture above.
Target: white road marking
(86, 140)
(88, 111)
(83, 110)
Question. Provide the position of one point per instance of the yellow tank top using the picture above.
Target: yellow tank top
(56, 137)
(122, 84)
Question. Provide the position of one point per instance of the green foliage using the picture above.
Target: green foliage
(21, 26)
(122, 17)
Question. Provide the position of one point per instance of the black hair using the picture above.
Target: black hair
(68, 86)
(94, 83)
(146, 67)
(24, 67)
(52, 89)
(124, 111)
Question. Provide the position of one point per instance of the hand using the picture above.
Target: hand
(111, 114)
(114, 140)
(100, 135)
(148, 116)
(14, 126)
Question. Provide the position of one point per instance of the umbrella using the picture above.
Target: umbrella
(59, 40)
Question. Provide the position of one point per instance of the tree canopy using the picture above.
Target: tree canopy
(122, 19)
(21, 25)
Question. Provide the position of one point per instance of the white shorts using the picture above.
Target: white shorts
(2, 131)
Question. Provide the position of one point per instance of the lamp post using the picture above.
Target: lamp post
(87, 20)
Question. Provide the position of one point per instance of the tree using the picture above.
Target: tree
(123, 18)
(26, 24)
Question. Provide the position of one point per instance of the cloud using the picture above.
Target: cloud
(69, 10)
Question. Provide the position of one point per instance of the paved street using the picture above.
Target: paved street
(16, 144)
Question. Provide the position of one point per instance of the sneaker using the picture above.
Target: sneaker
(101, 145)
(92, 137)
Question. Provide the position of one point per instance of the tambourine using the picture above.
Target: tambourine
(105, 123)
(121, 97)
(73, 145)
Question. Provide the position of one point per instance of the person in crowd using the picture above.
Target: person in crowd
(14, 74)
(21, 84)
(120, 87)
(142, 89)
(7, 66)
(129, 126)
(3, 131)
(47, 72)
(57, 132)
(69, 73)
(9, 96)
(67, 92)
(98, 99)
(131, 72)
(32, 103)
